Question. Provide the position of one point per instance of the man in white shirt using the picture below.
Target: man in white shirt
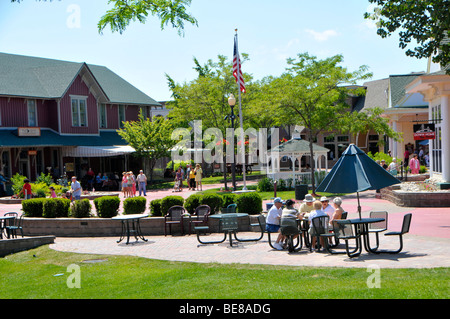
(76, 189)
(142, 183)
(273, 221)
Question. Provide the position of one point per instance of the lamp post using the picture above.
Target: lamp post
(232, 103)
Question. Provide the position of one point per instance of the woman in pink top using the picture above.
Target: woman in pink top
(414, 165)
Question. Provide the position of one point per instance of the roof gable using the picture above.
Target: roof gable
(30, 77)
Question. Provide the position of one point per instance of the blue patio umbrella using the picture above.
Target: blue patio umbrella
(356, 172)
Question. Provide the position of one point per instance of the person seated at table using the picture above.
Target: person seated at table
(337, 202)
(290, 212)
(307, 206)
(273, 221)
(317, 212)
(326, 207)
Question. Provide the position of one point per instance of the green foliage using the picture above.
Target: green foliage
(265, 184)
(214, 201)
(379, 156)
(33, 207)
(170, 201)
(134, 205)
(192, 202)
(228, 199)
(40, 189)
(80, 208)
(47, 179)
(155, 207)
(171, 12)
(177, 163)
(107, 206)
(17, 182)
(424, 24)
(249, 203)
(56, 207)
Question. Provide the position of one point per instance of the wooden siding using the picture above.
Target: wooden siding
(78, 88)
(13, 112)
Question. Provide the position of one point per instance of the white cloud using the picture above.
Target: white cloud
(322, 36)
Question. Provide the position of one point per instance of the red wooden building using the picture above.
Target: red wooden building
(63, 116)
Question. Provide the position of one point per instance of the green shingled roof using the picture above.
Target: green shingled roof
(49, 79)
(298, 145)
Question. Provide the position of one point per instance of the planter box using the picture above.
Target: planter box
(104, 227)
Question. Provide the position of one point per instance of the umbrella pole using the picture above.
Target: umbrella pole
(359, 205)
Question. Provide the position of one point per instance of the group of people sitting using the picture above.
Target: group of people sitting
(309, 209)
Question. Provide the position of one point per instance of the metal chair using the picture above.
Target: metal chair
(405, 229)
(13, 225)
(230, 209)
(379, 227)
(321, 229)
(345, 232)
(174, 216)
(289, 228)
(344, 215)
(201, 215)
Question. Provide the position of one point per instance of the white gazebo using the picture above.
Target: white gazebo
(294, 149)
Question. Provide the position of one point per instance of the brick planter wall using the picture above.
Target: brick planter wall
(103, 227)
(416, 199)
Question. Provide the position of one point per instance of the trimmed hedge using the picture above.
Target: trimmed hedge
(107, 206)
(55, 207)
(170, 201)
(214, 201)
(134, 205)
(80, 208)
(228, 199)
(192, 202)
(33, 207)
(155, 207)
(249, 203)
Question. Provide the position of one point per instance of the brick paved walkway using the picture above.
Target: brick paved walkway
(427, 244)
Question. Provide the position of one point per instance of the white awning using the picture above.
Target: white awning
(97, 151)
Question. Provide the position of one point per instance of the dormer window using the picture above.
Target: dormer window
(79, 111)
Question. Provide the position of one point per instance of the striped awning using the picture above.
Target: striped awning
(97, 151)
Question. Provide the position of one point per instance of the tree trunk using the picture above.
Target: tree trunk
(312, 165)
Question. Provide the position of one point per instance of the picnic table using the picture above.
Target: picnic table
(361, 227)
(229, 226)
(132, 220)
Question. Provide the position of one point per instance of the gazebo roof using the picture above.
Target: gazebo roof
(297, 145)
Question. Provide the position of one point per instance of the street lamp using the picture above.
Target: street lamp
(232, 103)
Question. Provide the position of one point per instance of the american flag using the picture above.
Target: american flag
(237, 73)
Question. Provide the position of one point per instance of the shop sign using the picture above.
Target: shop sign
(424, 132)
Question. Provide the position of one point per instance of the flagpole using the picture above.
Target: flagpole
(241, 123)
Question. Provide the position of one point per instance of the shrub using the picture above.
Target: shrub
(33, 207)
(17, 183)
(107, 206)
(192, 202)
(265, 185)
(155, 207)
(56, 207)
(228, 199)
(249, 203)
(134, 205)
(214, 201)
(170, 201)
(80, 208)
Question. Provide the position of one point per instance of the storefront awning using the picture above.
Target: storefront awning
(97, 151)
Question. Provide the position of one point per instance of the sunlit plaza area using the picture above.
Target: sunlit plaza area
(330, 174)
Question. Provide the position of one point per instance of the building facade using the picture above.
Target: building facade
(62, 117)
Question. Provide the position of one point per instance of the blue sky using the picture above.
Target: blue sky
(269, 32)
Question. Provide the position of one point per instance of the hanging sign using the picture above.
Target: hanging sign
(424, 132)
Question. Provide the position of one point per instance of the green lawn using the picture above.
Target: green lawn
(31, 275)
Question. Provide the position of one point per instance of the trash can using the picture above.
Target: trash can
(300, 191)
